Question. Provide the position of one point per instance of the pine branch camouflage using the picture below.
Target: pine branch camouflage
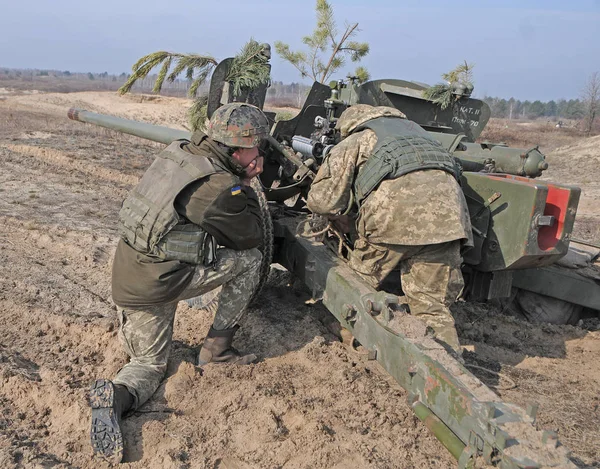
(249, 70)
(459, 82)
(200, 64)
(250, 67)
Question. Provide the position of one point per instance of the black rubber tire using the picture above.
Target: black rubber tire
(544, 309)
(266, 246)
(210, 300)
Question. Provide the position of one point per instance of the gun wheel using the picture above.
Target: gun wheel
(210, 301)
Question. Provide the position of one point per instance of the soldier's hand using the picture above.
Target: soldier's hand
(254, 168)
(342, 223)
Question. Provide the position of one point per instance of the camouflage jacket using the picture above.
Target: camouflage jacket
(220, 205)
(419, 208)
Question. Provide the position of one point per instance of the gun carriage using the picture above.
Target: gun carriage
(521, 227)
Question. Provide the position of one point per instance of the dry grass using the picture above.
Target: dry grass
(60, 158)
(73, 84)
(526, 134)
(51, 84)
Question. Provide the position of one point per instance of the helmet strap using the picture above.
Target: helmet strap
(233, 166)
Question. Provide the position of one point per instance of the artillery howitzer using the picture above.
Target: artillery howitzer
(520, 225)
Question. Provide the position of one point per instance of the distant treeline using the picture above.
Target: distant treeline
(291, 94)
(30, 74)
(65, 81)
(287, 94)
(516, 109)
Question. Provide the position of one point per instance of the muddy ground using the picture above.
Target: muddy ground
(309, 403)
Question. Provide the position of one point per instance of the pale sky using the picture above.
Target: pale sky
(528, 49)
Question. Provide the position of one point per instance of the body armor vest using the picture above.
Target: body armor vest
(148, 221)
(402, 147)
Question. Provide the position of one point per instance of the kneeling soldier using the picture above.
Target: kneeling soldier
(192, 224)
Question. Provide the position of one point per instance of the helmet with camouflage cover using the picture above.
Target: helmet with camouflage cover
(239, 125)
(358, 114)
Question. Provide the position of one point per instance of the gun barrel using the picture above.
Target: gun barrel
(156, 133)
(166, 135)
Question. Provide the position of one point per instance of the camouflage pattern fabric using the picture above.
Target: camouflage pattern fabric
(429, 206)
(417, 222)
(430, 276)
(238, 125)
(356, 115)
(146, 333)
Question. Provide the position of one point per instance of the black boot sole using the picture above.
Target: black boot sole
(105, 434)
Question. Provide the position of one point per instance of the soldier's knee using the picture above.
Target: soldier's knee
(256, 254)
(253, 258)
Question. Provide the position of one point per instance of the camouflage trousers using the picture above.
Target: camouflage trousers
(146, 333)
(430, 276)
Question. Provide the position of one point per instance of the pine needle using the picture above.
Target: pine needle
(315, 63)
(249, 69)
(194, 64)
(444, 94)
(440, 94)
(362, 74)
(197, 114)
(162, 75)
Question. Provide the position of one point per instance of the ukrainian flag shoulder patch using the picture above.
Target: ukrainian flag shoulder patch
(236, 190)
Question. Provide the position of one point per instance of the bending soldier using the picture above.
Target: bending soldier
(412, 213)
(190, 225)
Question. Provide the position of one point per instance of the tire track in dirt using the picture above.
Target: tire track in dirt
(49, 416)
(46, 195)
(45, 267)
(65, 160)
(54, 301)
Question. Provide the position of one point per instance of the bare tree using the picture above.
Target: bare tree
(591, 100)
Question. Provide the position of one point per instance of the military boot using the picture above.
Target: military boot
(217, 349)
(108, 402)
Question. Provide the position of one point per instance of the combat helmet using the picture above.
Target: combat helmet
(239, 125)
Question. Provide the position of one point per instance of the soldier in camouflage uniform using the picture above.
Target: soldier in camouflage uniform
(192, 224)
(412, 213)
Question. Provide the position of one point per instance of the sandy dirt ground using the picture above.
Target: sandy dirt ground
(309, 402)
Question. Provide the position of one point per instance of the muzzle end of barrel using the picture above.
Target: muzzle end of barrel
(73, 114)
